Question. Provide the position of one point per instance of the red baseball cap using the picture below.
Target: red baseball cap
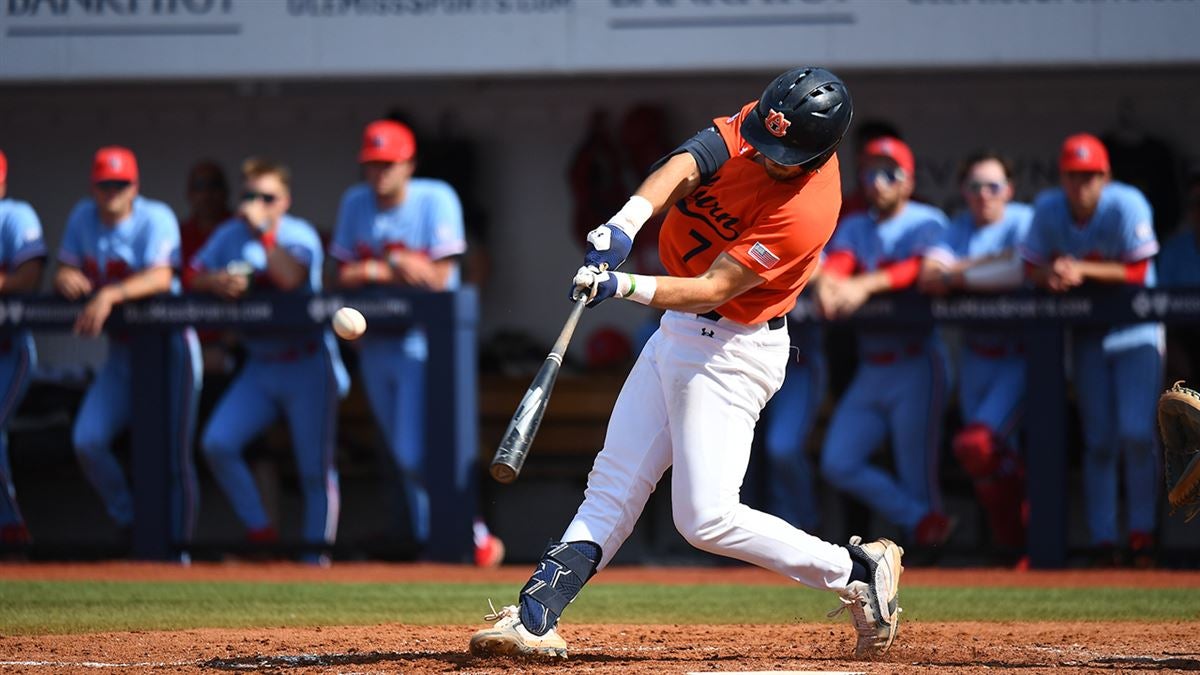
(387, 141)
(1083, 152)
(114, 163)
(3, 167)
(892, 148)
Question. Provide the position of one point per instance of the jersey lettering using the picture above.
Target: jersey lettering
(708, 210)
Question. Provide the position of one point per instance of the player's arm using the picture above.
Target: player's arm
(284, 271)
(675, 179)
(724, 280)
(842, 296)
(70, 282)
(671, 179)
(1107, 271)
(219, 282)
(143, 284)
(402, 268)
(24, 279)
(991, 273)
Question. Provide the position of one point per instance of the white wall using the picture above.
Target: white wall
(527, 130)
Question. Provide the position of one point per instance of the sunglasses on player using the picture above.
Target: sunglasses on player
(888, 176)
(988, 187)
(266, 197)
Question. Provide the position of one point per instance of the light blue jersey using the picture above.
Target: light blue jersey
(965, 240)
(20, 241)
(899, 389)
(300, 376)
(875, 245)
(234, 242)
(148, 238)
(1121, 230)
(1117, 371)
(428, 222)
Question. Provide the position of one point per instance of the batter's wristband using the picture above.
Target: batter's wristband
(633, 215)
(641, 288)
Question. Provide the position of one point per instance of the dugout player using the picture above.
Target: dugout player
(753, 199)
(299, 375)
(399, 231)
(898, 391)
(119, 246)
(22, 256)
(978, 252)
(1094, 230)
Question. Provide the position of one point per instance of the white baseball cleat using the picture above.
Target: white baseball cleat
(873, 605)
(508, 637)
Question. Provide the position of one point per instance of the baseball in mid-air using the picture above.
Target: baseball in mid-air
(349, 323)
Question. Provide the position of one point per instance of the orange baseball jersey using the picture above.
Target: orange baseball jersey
(776, 228)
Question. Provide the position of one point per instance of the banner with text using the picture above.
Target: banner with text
(44, 40)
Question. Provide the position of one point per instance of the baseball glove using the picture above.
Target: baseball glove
(1179, 427)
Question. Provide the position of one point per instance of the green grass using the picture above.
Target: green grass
(37, 607)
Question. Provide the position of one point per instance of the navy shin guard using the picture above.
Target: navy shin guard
(564, 569)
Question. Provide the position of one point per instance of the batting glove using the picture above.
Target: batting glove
(595, 285)
(607, 245)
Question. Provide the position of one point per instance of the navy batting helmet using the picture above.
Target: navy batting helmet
(800, 118)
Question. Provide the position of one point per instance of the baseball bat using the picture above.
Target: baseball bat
(514, 445)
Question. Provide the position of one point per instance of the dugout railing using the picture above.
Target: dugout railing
(450, 320)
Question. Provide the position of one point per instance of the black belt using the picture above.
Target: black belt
(773, 324)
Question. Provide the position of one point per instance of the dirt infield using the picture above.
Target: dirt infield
(923, 647)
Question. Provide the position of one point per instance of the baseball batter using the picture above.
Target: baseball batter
(1095, 230)
(753, 199)
(898, 391)
(298, 375)
(979, 253)
(397, 230)
(119, 246)
(22, 256)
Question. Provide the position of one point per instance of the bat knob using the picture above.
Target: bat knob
(503, 473)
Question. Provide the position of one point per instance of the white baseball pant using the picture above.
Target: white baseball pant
(692, 400)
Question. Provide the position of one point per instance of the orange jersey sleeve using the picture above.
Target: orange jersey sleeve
(775, 228)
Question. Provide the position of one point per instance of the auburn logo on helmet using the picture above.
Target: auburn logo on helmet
(777, 124)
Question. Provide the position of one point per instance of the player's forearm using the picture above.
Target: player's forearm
(443, 271)
(143, 284)
(203, 281)
(284, 271)
(24, 279)
(992, 274)
(1105, 272)
(696, 295)
(878, 281)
